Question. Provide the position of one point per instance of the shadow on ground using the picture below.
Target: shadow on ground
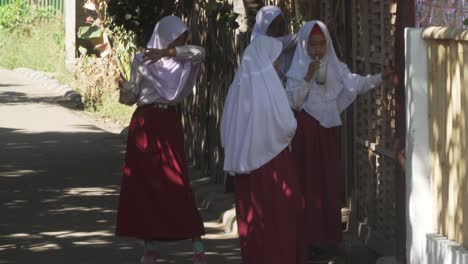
(58, 198)
(14, 98)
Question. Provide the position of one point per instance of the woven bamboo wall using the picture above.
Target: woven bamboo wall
(448, 129)
(203, 110)
(374, 126)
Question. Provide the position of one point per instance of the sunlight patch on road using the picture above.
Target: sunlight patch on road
(15, 203)
(20, 235)
(126, 248)
(71, 234)
(57, 233)
(49, 200)
(41, 247)
(19, 173)
(92, 242)
(87, 234)
(6, 247)
(214, 225)
(91, 191)
(220, 236)
(81, 209)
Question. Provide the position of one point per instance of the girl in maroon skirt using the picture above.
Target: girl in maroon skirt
(320, 87)
(156, 202)
(257, 127)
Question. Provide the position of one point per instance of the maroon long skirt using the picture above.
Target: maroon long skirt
(270, 214)
(317, 152)
(156, 201)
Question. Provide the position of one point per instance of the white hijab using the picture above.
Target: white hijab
(257, 121)
(301, 61)
(169, 75)
(263, 20)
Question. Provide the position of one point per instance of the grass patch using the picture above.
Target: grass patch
(42, 49)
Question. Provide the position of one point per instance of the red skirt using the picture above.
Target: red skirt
(317, 152)
(270, 214)
(156, 201)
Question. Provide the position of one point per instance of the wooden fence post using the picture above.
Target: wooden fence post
(405, 17)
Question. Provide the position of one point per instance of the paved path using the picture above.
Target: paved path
(59, 182)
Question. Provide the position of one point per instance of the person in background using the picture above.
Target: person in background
(270, 21)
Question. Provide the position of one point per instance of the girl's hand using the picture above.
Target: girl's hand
(154, 55)
(313, 67)
(388, 72)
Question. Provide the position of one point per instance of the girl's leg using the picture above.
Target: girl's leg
(198, 245)
(199, 256)
(150, 252)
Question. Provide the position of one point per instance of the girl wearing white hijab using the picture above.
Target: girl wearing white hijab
(320, 87)
(270, 22)
(156, 202)
(257, 126)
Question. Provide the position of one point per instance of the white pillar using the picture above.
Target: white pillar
(70, 34)
(419, 204)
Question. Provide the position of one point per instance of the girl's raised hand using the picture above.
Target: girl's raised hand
(388, 72)
(121, 80)
(154, 55)
(389, 69)
(313, 67)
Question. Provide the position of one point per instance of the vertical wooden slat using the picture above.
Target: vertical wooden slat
(354, 38)
(441, 104)
(353, 218)
(450, 147)
(458, 59)
(440, 151)
(464, 136)
(432, 134)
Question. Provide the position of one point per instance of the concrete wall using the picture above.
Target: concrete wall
(436, 71)
(419, 197)
(448, 129)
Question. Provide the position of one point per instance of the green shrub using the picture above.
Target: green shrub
(31, 37)
(20, 18)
